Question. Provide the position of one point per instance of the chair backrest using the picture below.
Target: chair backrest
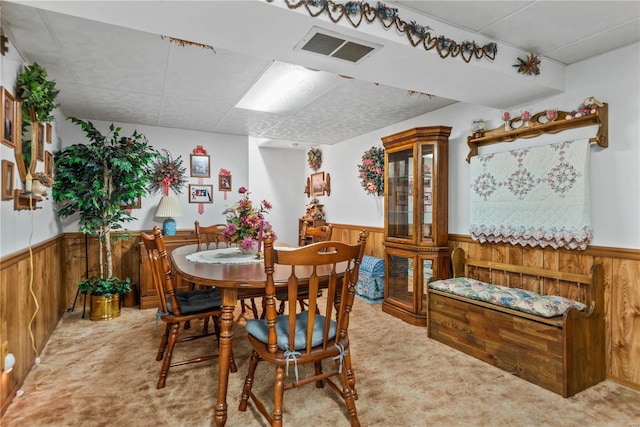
(332, 264)
(161, 270)
(315, 234)
(209, 234)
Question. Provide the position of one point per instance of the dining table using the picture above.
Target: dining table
(236, 276)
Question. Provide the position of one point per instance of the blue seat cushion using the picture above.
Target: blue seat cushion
(258, 329)
(193, 302)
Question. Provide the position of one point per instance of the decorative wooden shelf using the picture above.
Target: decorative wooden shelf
(23, 201)
(537, 126)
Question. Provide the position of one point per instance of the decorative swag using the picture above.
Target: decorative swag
(533, 196)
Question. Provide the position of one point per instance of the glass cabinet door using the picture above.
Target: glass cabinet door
(400, 279)
(426, 169)
(400, 194)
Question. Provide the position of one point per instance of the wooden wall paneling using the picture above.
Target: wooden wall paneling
(625, 320)
(607, 264)
(74, 261)
(17, 306)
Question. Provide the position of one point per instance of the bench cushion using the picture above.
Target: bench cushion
(504, 296)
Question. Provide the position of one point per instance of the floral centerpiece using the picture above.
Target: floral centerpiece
(372, 171)
(168, 173)
(245, 222)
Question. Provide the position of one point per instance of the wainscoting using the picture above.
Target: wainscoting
(60, 263)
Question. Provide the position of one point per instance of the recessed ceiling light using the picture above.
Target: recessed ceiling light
(286, 87)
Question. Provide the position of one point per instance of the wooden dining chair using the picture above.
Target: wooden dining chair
(211, 234)
(308, 235)
(177, 307)
(311, 336)
(315, 234)
(214, 234)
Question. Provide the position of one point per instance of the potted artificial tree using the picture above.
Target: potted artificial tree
(96, 180)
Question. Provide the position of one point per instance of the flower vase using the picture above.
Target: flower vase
(250, 251)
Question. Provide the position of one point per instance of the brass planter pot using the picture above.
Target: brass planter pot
(105, 308)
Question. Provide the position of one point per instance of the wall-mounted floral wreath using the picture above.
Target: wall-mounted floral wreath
(168, 174)
(314, 158)
(371, 171)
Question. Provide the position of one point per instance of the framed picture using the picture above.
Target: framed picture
(224, 182)
(200, 166)
(317, 184)
(7, 180)
(47, 136)
(41, 142)
(427, 198)
(8, 129)
(200, 193)
(48, 163)
(135, 204)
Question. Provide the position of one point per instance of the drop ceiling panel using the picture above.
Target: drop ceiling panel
(123, 106)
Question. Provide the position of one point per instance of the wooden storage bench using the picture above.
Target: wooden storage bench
(564, 354)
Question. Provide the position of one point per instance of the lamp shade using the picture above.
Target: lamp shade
(167, 208)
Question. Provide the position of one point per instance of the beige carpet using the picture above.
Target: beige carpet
(104, 374)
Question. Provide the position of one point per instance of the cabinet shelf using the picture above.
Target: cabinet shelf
(538, 127)
(23, 201)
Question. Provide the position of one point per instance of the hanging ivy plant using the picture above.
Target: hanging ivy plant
(37, 93)
(372, 171)
(314, 158)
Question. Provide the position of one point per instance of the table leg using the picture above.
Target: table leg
(229, 300)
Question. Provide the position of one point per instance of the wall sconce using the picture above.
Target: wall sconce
(7, 360)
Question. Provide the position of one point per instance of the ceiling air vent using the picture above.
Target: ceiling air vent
(327, 43)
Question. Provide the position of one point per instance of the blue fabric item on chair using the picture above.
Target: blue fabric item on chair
(260, 330)
(370, 286)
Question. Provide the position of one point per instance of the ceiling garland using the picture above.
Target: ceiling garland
(357, 11)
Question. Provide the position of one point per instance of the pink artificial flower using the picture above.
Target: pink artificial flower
(242, 190)
(266, 204)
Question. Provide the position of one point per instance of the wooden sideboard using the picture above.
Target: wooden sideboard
(148, 293)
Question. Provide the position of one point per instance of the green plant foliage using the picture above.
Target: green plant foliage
(37, 92)
(105, 287)
(98, 179)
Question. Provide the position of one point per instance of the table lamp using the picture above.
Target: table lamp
(169, 207)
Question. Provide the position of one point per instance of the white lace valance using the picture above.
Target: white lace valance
(223, 256)
(533, 196)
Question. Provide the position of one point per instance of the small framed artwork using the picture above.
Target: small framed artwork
(41, 142)
(427, 198)
(200, 166)
(317, 184)
(135, 203)
(7, 180)
(47, 133)
(48, 163)
(8, 129)
(200, 193)
(224, 182)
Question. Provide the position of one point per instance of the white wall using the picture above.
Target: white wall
(225, 151)
(615, 173)
(19, 229)
(279, 175)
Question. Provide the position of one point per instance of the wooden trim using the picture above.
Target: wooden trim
(370, 229)
(16, 257)
(596, 251)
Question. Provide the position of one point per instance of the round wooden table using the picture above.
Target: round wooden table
(234, 281)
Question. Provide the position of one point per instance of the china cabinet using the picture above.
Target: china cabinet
(415, 218)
